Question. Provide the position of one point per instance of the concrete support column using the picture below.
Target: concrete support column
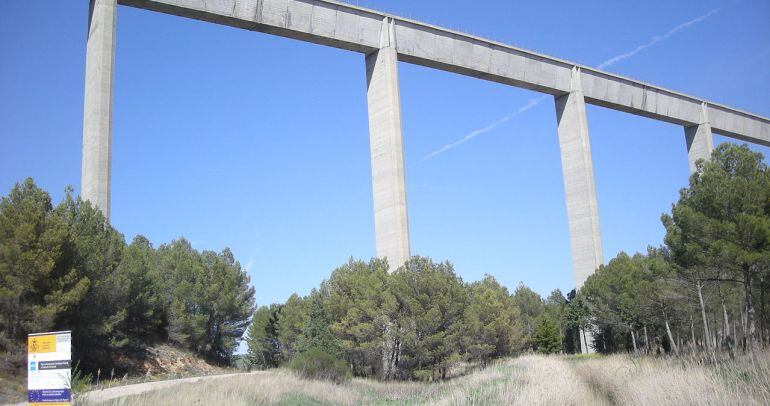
(700, 143)
(388, 184)
(579, 188)
(97, 106)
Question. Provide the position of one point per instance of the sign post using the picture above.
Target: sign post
(49, 357)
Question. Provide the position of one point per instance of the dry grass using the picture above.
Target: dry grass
(526, 380)
(12, 388)
(272, 388)
(629, 380)
(548, 381)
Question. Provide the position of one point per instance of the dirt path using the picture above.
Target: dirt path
(103, 395)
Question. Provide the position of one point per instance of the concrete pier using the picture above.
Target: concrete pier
(579, 188)
(391, 224)
(97, 106)
(700, 142)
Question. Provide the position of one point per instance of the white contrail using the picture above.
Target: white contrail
(254, 255)
(475, 133)
(533, 102)
(656, 39)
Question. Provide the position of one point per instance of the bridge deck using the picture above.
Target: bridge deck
(358, 29)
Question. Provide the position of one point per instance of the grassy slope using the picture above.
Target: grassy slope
(159, 362)
(527, 380)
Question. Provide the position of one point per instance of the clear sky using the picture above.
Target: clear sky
(259, 143)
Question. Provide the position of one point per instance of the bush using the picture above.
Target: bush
(79, 382)
(316, 364)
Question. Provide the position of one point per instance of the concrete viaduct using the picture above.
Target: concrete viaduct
(384, 40)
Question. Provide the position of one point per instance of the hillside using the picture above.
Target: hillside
(158, 362)
(165, 360)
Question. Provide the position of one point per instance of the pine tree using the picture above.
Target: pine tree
(546, 338)
(33, 242)
(209, 299)
(530, 306)
(429, 321)
(361, 307)
(140, 294)
(491, 321)
(262, 341)
(291, 319)
(317, 333)
(719, 230)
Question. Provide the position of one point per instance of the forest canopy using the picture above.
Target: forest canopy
(64, 267)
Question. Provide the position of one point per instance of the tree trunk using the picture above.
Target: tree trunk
(692, 332)
(604, 342)
(389, 344)
(732, 344)
(670, 336)
(763, 314)
(646, 339)
(717, 330)
(392, 347)
(706, 333)
(751, 336)
(387, 359)
(719, 339)
(633, 340)
(743, 329)
(725, 319)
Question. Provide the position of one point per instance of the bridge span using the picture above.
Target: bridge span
(384, 40)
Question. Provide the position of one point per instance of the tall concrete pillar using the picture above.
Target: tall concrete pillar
(579, 188)
(97, 106)
(388, 184)
(700, 143)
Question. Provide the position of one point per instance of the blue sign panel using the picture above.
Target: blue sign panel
(48, 395)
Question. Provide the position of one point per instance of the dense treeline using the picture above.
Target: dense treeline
(414, 323)
(706, 288)
(64, 267)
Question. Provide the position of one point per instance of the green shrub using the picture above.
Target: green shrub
(79, 381)
(423, 375)
(546, 338)
(316, 364)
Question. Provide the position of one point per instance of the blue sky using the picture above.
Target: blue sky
(260, 143)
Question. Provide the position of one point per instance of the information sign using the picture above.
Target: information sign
(48, 368)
